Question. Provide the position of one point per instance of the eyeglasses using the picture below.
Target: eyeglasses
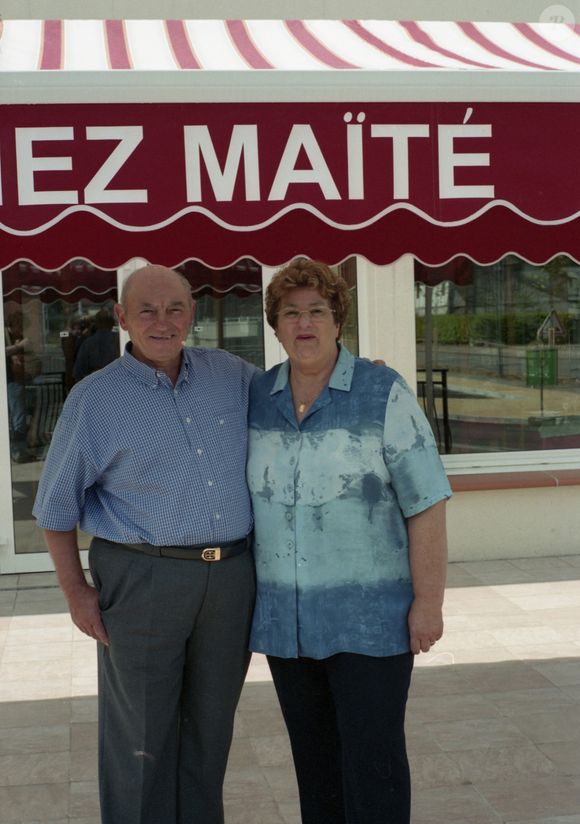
(318, 314)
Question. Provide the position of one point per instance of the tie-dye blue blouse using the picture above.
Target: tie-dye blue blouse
(330, 498)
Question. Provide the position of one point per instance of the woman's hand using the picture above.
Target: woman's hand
(425, 624)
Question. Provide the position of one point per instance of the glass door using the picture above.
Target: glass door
(58, 327)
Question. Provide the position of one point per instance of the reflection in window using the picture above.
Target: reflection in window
(228, 313)
(498, 354)
(49, 319)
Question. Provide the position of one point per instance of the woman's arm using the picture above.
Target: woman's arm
(428, 560)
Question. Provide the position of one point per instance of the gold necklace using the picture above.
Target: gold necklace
(303, 404)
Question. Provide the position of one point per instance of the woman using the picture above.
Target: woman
(348, 493)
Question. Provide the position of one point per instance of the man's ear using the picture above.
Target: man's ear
(120, 315)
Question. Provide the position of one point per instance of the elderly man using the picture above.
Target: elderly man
(149, 457)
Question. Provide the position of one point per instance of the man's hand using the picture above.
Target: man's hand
(82, 598)
(425, 624)
(83, 604)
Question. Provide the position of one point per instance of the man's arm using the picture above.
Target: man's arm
(82, 598)
(17, 348)
(428, 559)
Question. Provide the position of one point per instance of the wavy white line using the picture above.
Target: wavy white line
(36, 292)
(331, 262)
(251, 289)
(306, 207)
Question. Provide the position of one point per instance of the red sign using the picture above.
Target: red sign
(216, 182)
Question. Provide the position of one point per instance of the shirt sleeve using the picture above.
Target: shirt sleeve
(410, 453)
(68, 472)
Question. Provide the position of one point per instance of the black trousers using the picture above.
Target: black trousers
(345, 717)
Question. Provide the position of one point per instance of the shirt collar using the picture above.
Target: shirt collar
(341, 377)
(147, 374)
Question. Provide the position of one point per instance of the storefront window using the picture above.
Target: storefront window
(52, 321)
(228, 312)
(498, 354)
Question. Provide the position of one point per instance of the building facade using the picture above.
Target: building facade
(465, 274)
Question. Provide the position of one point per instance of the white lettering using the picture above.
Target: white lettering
(198, 143)
(302, 137)
(27, 164)
(449, 160)
(96, 190)
(400, 135)
(354, 152)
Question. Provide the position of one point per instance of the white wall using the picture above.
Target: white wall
(514, 523)
(386, 314)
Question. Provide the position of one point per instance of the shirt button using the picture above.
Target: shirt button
(221, 421)
(288, 516)
(188, 420)
(290, 544)
(217, 516)
(210, 483)
(199, 451)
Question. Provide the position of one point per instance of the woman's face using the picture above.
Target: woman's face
(307, 329)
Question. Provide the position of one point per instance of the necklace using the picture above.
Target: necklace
(303, 403)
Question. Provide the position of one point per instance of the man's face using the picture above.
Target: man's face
(158, 314)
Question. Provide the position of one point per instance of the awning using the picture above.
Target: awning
(380, 138)
(80, 280)
(288, 45)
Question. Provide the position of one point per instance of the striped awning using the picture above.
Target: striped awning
(156, 139)
(287, 45)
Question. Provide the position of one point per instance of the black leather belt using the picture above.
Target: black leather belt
(198, 552)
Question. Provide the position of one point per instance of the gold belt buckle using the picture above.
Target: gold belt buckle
(211, 553)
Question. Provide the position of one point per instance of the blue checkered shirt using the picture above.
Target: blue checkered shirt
(136, 459)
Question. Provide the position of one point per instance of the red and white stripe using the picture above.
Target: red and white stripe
(286, 45)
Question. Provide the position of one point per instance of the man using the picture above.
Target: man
(98, 349)
(149, 457)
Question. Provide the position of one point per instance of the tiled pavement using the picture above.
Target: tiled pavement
(493, 721)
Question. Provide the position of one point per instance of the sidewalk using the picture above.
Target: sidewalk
(493, 720)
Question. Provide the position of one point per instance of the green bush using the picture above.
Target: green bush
(512, 329)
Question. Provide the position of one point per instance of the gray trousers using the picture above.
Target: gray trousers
(169, 683)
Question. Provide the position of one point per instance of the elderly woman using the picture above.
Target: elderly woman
(349, 494)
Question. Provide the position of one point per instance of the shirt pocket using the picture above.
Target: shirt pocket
(226, 431)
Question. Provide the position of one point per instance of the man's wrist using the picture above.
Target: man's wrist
(76, 589)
